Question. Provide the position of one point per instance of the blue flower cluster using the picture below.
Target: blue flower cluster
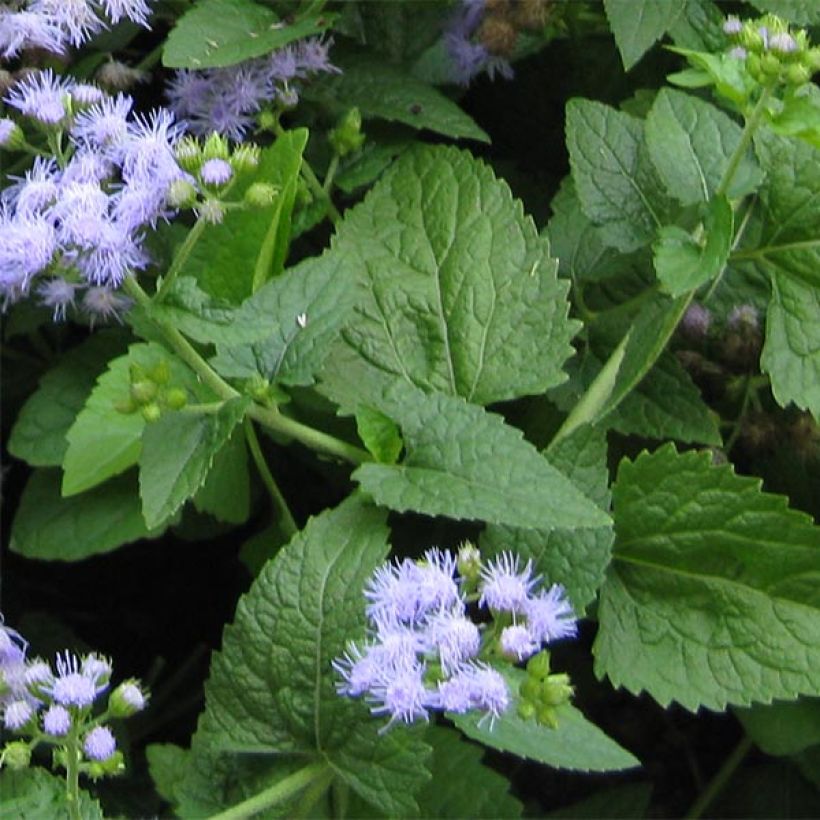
(469, 57)
(46, 704)
(54, 25)
(75, 222)
(424, 652)
(226, 100)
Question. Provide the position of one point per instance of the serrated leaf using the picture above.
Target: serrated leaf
(684, 264)
(802, 12)
(177, 453)
(577, 559)
(462, 786)
(379, 434)
(388, 92)
(459, 292)
(301, 312)
(166, 765)
(783, 728)
(226, 493)
(618, 188)
(218, 33)
(639, 24)
(699, 26)
(463, 462)
(369, 164)
(691, 143)
(271, 688)
(791, 353)
(103, 441)
(36, 793)
(49, 527)
(576, 744)
(712, 595)
(234, 259)
(38, 435)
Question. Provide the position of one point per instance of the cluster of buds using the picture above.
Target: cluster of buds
(59, 706)
(151, 391)
(773, 54)
(347, 137)
(541, 693)
(424, 652)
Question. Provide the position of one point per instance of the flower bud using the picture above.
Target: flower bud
(118, 76)
(538, 666)
(216, 147)
(188, 153)
(347, 137)
(16, 755)
(526, 710)
(181, 194)
(770, 65)
(261, 194)
(245, 158)
(468, 562)
(267, 120)
(160, 372)
(144, 392)
(546, 716)
(556, 690)
(126, 700)
(176, 398)
(11, 135)
(211, 211)
(151, 413)
(529, 689)
(797, 74)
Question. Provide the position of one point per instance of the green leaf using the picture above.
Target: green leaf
(614, 178)
(462, 786)
(271, 688)
(301, 312)
(725, 72)
(699, 26)
(639, 24)
(684, 264)
(34, 792)
(798, 115)
(166, 765)
(218, 33)
(103, 441)
(226, 493)
(379, 434)
(38, 435)
(712, 595)
(370, 163)
(577, 559)
(791, 353)
(49, 527)
(459, 293)
(390, 93)
(463, 462)
(576, 744)
(783, 728)
(691, 143)
(791, 205)
(802, 12)
(234, 259)
(177, 453)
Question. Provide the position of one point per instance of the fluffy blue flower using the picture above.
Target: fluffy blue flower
(216, 172)
(105, 125)
(550, 616)
(17, 714)
(77, 684)
(99, 744)
(29, 29)
(28, 243)
(402, 695)
(41, 95)
(56, 721)
(104, 303)
(518, 642)
(504, 586)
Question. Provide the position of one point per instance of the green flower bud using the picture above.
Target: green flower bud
(127, 406)
(211, 211)
(546, 716)
(267, 120)
(261, 194)
(127, 699)
(107, 768)
(347, 136)
(468, 563)
(770, 65)
(753, 66)
(526, 710)
(798, 74)
(176, 398)
(16, 755)
(161, 372)
(529, 689)
(144, 392)
(216, 147)
(811, 59)
(181, 194)
(189, 154)
(245, 158)
(151, 413)
(13, 139)
(556, 690)
(538, 666)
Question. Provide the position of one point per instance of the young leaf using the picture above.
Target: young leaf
(381, 90)
(462, 786)
(49, 527)
(459, 293)
(577, 559)
(691, 142)
(682, 263)
(711, 597)
(177, 453)
(576, 744)
(218, 33)
(226, 493)
(234, 259)
(36, 793)
(783, 728)
(791, 354)
(614, 178)
(38, 435)
(271, 687)
(301, 313)
(103, 441)
(639, 24)
(463, 462)
(379, 434)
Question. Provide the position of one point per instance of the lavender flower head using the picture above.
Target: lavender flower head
(99, 744)
(469, 58)
(77, 683)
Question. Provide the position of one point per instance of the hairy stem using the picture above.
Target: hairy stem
(181, 257)
(288, 522)
(72, 775)
(277, 793)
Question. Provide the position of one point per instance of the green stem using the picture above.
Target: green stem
(72, 777)
(757, 253)
(629, 305)
(317, 189)
(331, 173)
(276, 794)
(181, 257)
(718, 782)
(288, 522)
(315, 439)
(752, 122)
(748, 390)
(312, 795)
